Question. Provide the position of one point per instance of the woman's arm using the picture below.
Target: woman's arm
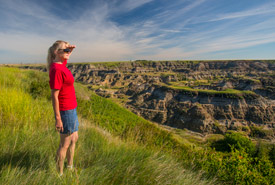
(55, 102)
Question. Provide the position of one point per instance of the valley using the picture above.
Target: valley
(209, 97)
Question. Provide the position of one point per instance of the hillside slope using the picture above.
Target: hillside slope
(115, 147)
(28, 143)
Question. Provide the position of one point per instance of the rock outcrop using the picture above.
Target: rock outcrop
(200, 111)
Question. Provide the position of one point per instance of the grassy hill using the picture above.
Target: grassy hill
(115, 145)
(29, 142)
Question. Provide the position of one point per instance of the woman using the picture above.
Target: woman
(64, 101)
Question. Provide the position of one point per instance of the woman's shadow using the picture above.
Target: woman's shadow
(24, 159)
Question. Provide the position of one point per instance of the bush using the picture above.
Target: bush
(234, 140)
(239, 168)
(261, 150)
(272, 155)
(39, 85)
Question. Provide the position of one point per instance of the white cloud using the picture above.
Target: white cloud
(132, 4)
(97, 38)
(173, 32)
(268, 8)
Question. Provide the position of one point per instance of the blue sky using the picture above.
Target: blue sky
(121, 30)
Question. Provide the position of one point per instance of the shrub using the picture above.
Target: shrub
(38, 85)
(234, 140)
(272, 155)
(261, 150)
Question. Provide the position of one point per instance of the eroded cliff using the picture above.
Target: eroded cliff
(203, 96)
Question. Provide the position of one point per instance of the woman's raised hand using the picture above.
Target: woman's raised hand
(71, 47)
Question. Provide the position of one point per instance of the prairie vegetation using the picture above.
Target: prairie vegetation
(228, 93)
(29, 142)
(115, 145)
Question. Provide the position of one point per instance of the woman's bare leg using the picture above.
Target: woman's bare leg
(70, 153)
(65, 141)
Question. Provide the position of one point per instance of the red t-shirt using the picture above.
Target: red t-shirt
(61, 78)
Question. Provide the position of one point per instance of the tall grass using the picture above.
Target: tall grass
(28, 144)
(126, 124)
(115, 145)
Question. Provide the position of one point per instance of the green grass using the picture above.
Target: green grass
(233, 93)
(115, 145)
(256, 81)
(29, 142)
(123, 123)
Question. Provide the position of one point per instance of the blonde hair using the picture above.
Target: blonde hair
(51, 52)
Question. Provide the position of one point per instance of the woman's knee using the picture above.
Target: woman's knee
(75, 137)
(65, 141)
(65, 146)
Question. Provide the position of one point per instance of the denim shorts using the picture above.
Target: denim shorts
(70, 121)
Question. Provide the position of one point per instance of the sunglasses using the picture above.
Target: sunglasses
(66, 50)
